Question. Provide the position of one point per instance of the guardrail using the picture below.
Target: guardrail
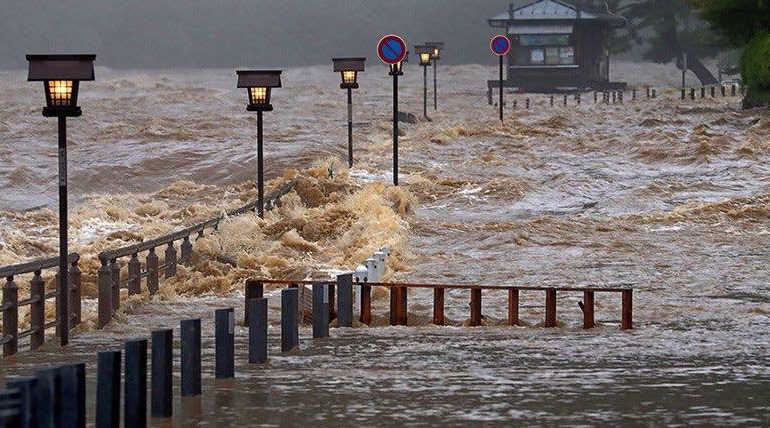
(36, 301)
(109, 278)
(399, 292)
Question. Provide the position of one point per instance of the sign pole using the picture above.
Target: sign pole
(501, 89)
(395, 129)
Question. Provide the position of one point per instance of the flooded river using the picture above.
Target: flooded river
(669, 197)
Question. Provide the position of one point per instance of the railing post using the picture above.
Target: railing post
(108, 390)
(289, 325)
(320, 310)
(404, 308)
(258, 331)
(135, 403)
(37, 311)
(366, 304)
(11, 317)
(187, 249)
(152, 271)
(254, 290)
(75, 278)
(550, 308)
(105, 294)
(345, 300)
(191, 357)
(475, 307)
(513, 306)
(115, 281)
(588, 309)
(162, 373)
(627, 321)
(170, 260)
(394, 295)
(134, 275)
(438, 306)
(224, 343)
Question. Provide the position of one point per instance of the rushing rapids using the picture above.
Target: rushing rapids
(670, 197)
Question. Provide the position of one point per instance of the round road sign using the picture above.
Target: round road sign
(500, 45)
(391, 49)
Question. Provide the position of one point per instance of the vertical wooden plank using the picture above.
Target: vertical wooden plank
(187, 249)
(345, 300)
(162, 369)
(550, 308)
(513, 306)
(11, 317)
(588, 310)
(403, 307)
(115, 284)
(224, 338)
(105, 295)
(37, 311)
(366, 304)
(394, 299)
(134, 275)
(258, 331)
(627, 321)
(152, 271)
(75, 278)
(254, 290)
(170, 260)
(191, 357)
(475, 307)
(108, 390)
(438, 306)
(289, 321)
(135, 387)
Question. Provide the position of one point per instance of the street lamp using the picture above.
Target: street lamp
(425, 54)
(61, 76)
(258, 84)
(437, 48)
(348, 69)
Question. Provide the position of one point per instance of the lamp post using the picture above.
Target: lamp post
(436, 55)
(424, 53)
(61, 76)
(348, 69)
(258, 84)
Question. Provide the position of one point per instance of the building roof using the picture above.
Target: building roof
(555, 10)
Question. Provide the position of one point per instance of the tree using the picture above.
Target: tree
(746, 24)
(670, 31)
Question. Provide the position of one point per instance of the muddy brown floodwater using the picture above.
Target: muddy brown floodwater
(669, 197)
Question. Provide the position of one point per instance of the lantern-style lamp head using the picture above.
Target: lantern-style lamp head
(258, 84)
(437, 48)
(425, 53)
(397, 69)
(348, 69)
(61, 75)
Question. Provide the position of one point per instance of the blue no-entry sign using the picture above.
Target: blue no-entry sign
(391, 49)
(500, 45)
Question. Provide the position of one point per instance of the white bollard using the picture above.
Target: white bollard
(372, 271)
(379, 257)
(359, 277)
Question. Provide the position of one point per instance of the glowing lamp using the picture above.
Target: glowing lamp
(258, 84)
(397, 69)
(437, 48)
(61, 75)
(349, 69)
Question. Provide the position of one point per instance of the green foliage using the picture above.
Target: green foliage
(755, 68)
(739, 20)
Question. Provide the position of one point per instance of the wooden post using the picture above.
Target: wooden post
(438, 306)
(366, 304)
(48, 398)
(11, 317)
(73, 395)
(550, 308)
(713, 91)
(627, 322)
(170, 260)
(135, 388)
(320, 310)
(289, 322)
(403, 312)
(152, 271)
(588, 310)
(224, 343)
(475, 307)
(345, 300)
(105, 295)
(513, 306)
(394, 298)
(108, 390)
(703, 92)
(37, 311)
(258, 331)
(162, 373)
(75, 278)
(254, 290)
(26, 387)
(191, 357)
(134, 275)
(115, 283)
(187, 249)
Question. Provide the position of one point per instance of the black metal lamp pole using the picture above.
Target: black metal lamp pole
(435, 84)
(395, 128)
(350, 127)
(425, 91)
(64, 287)
(260, 169)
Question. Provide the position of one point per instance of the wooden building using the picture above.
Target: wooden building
(558, 45)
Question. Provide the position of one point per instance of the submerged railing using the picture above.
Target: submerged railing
(110, 281)
(36, 301)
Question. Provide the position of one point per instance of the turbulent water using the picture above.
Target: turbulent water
(669, 197)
